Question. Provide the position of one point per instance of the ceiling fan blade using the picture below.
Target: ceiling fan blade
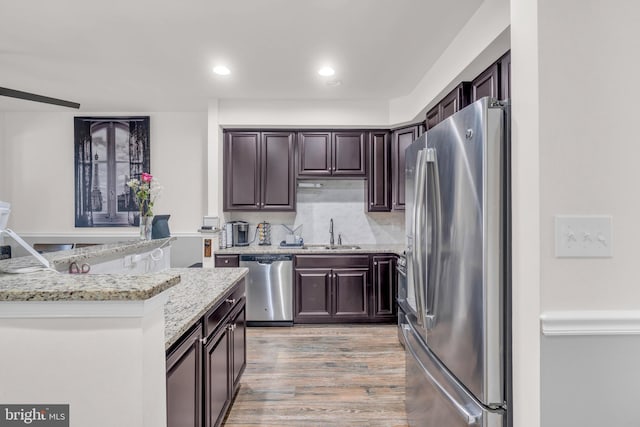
(37, 98)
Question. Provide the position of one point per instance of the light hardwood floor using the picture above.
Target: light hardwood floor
(322, 376)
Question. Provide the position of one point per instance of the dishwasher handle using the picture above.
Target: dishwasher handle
(265, 258)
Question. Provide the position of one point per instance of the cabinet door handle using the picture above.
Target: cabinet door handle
(375, 263)
(230, 300)
(226, 261)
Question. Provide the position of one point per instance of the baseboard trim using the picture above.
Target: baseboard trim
(581, 323)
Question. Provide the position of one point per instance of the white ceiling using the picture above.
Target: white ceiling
(157, 55)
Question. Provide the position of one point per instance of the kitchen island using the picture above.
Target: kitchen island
(98, 342)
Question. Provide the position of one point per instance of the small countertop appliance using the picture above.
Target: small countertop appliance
(240, 233)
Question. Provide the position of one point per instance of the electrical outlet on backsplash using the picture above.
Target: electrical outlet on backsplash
(340, 200)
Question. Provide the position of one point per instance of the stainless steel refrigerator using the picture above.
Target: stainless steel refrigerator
(454, 315)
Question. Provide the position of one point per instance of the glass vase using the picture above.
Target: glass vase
(146, 223)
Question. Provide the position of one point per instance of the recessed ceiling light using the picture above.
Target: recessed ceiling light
(326, 71)
(221, 70)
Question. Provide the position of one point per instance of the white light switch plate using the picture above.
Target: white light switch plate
(583, 236)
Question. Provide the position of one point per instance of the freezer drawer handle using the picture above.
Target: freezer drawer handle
(471, 419)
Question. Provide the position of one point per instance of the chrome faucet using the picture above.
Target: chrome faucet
(331, 232)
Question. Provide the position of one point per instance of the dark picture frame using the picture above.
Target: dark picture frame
(109, 151)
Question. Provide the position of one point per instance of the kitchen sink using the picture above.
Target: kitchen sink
(331, 247)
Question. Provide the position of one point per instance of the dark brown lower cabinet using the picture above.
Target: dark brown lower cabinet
(313, 294)
(217, 378)
(344, 288)
(184, 382)
(350, 296)
(331, 289)
(207, 363)
(224, 362)
(239, 341)
(384, 286)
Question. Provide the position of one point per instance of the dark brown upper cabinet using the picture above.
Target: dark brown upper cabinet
(455, 100)
(486, 84)
(331, 154)
(259, 171)
(402, 138)
(379, 172)
(495, 81)
(505, 76)
(314, 154)
(433, 117)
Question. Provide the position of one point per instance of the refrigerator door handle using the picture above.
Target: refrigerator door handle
(470, 418)
(419, 265)
(436, 238)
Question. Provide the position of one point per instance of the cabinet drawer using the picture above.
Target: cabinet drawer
(217, 314)
(331, 261)
(227, 260)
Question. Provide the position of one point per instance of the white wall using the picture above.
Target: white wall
(483, 39)
(303, 113)
(588, 152)
(3, 162)
(38, 162)
(525, 214)
(588, 61)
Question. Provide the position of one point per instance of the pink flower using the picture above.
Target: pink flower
(146, 177)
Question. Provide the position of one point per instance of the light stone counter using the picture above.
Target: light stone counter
(314, 249)
(92, 254)
(51, 285)
(198, 291)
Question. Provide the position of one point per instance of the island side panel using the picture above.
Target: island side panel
(110, 369)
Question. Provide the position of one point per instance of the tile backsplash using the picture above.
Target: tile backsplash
(342, 200)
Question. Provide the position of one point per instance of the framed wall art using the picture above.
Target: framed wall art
(109, 151)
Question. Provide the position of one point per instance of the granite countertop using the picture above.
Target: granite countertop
(198, 291)
(315, 249)
(50, 285)
(99, 253)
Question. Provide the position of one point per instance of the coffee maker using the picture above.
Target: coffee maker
(240, 233)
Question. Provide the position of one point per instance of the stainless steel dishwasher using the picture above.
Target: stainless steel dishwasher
(269, 289)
